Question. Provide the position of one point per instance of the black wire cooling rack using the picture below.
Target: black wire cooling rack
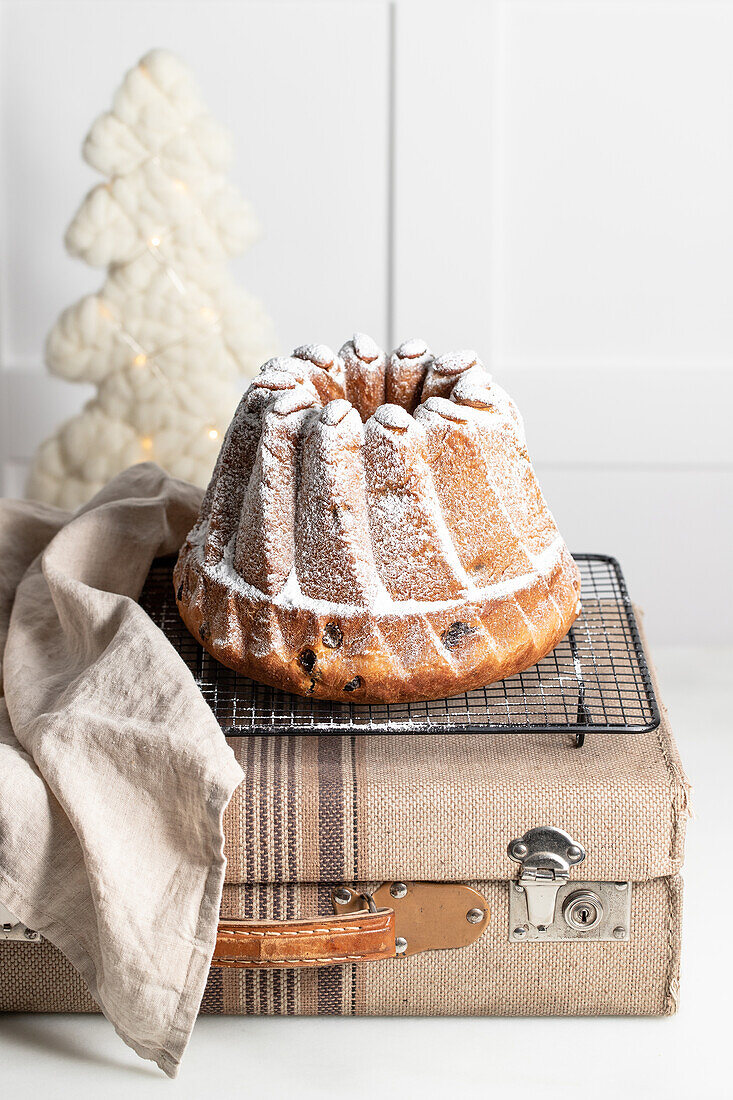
(595, 681)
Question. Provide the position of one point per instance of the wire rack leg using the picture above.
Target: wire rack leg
(582, 717)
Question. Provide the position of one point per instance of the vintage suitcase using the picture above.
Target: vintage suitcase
(397, 873)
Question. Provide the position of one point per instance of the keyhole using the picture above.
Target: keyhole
(583, 910)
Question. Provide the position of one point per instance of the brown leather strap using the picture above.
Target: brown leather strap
(315, 941)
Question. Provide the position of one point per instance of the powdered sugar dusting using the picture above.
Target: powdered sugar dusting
(473, 393)
(291, 596)
(364, 374)
(476, 389)
(405, 374)
(509, 409)
(295, 368)
(392, 416)
(412, 349)
(333, 548)
(487, 419)
(295, 401)
(394, 552)
(279, 363)
(413, 550)
(365, 347)
(475, 377)
(455, 362)
(335, 411)
(447, 409)
(274, 379)
(320, 354)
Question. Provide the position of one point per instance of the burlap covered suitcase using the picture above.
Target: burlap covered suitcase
(316, 814)
(505, 874)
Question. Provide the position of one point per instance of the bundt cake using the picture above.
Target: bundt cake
(373, 531)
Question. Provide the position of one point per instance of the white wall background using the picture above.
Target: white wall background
(550, 182)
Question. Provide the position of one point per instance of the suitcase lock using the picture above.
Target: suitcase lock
(546, 855)
(545, 905)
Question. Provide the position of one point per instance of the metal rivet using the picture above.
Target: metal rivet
(398, 889)
(30, 934)
(520, 932)
(620, 885)
(518, 888)
(619, 933)
(574, 852)
(342, 896)
(400, 945)
(473, 916)
(520, 849)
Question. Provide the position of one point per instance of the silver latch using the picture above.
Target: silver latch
(13, 929)
(546, 855)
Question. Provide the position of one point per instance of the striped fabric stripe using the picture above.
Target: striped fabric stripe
(299, 817)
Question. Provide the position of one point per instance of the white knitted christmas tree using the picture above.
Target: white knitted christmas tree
(169, 336)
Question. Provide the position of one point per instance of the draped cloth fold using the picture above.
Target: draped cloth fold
(114, 774)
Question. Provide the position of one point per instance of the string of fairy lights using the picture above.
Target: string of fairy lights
(146, 359)
(143, 358)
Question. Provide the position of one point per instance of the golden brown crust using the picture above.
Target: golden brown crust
(364, 367)
(405, 375)
(350, 550)
(446, 370)
(397, 658)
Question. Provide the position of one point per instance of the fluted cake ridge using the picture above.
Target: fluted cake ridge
(385, 501)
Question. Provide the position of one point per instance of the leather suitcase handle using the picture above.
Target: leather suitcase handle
(314, 941)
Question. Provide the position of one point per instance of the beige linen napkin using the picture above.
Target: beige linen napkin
(114, 774)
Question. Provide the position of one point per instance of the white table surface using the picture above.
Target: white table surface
(682, 1057)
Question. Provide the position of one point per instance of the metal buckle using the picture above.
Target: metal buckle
(13, 929)
(546, 855)
(429, 916)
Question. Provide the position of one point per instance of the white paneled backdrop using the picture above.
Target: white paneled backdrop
(549, 182)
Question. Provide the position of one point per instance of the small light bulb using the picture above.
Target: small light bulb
(103, 310)
(208, 314)
(146, 443)
(140, 360)
(213, 434)
(154, 242)
(179, 185)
